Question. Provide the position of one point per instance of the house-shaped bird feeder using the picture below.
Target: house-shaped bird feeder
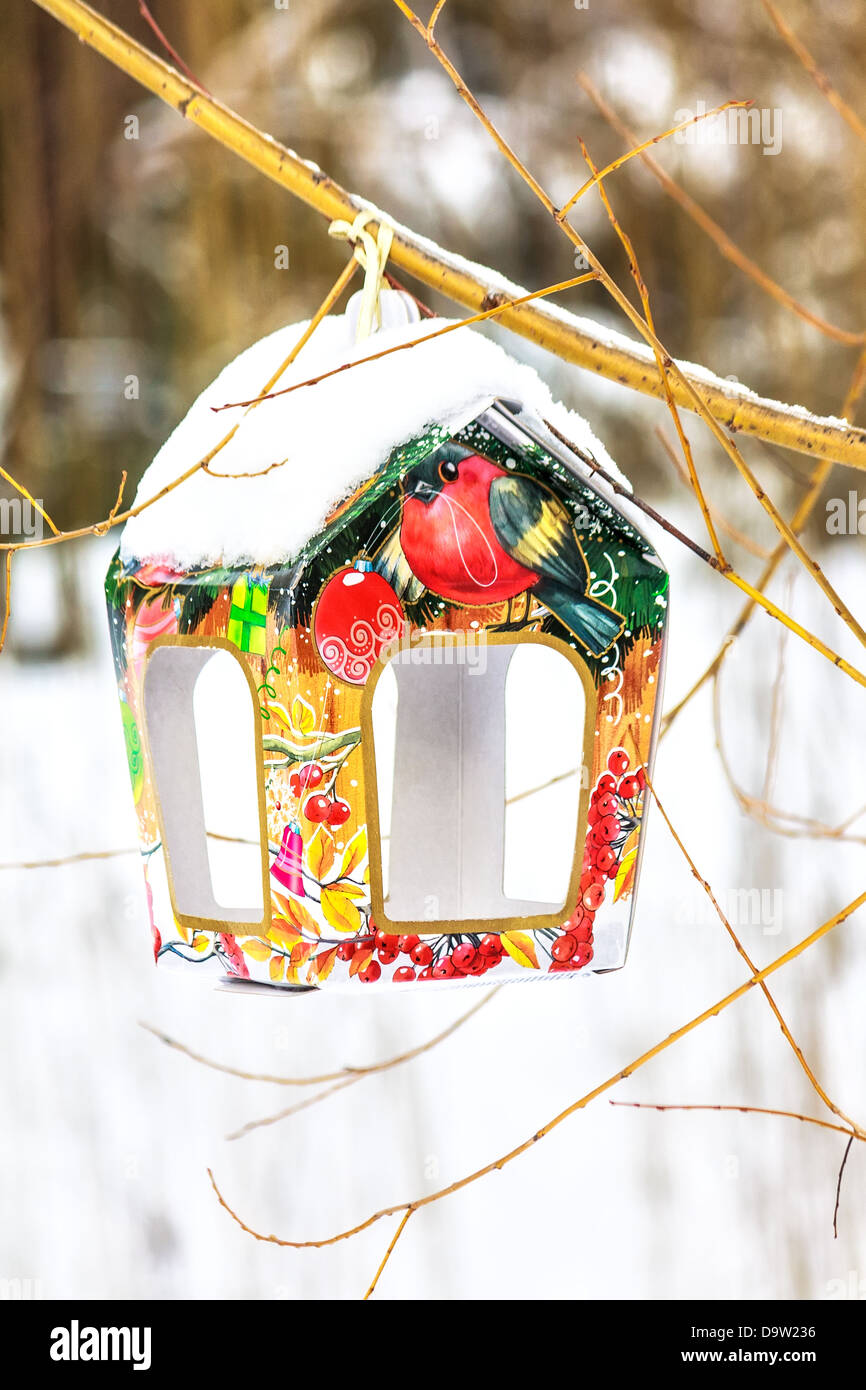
(439, 635)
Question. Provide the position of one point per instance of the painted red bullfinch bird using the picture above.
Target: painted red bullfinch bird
(475, 533)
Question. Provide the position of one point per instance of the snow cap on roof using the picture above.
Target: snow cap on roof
(326, 439)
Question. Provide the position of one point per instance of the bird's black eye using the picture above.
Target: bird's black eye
(448, 471)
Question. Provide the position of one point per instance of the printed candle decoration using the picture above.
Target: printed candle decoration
(378, 593)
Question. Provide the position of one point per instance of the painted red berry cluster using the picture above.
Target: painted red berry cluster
(421, 958)
(613, 815)
(318, 808)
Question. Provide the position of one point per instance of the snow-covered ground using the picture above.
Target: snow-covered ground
(106, 1134)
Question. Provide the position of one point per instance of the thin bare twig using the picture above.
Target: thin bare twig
(638, 149)
(28, 497)
(765, 990)
(440, 5)
(723, 524)
(723, 243)
(497, 1164)
(109, 522)
(801, 515)
(401, 1228)
(772, 762)
(414, 343)
(172, 52)
(306, 1104)
(82, 856)
(818, 76)
(7, 598)
(662, 364)
(115, 518)
(350, 1073)
(741, 1110)
(777, 819)
(839, 1187)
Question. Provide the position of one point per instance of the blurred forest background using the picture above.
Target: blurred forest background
(154, 257)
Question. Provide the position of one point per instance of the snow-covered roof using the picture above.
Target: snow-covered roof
(327, 438)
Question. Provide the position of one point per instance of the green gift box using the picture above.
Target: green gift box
(248, 616)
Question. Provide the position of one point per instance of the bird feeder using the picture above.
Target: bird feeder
(434, 606)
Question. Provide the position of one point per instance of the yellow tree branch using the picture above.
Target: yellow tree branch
(573, 339)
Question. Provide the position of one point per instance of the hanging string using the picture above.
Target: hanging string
(372, 253)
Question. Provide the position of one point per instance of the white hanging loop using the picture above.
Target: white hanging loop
(372, 253)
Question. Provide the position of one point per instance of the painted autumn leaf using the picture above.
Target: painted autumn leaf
(625, 875)
(348, 888)
(360, 961)
(284, 934)
(322, 965)
(297, 914)
(520, 947)
(301, 952)
(252, 946)
(303, 716)
(340, 910)
(320, 854)
(200, 942)
(354, 853)
(276, 967)
(302, 719)
(278, 712)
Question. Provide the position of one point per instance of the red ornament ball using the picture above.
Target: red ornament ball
(357, 614)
